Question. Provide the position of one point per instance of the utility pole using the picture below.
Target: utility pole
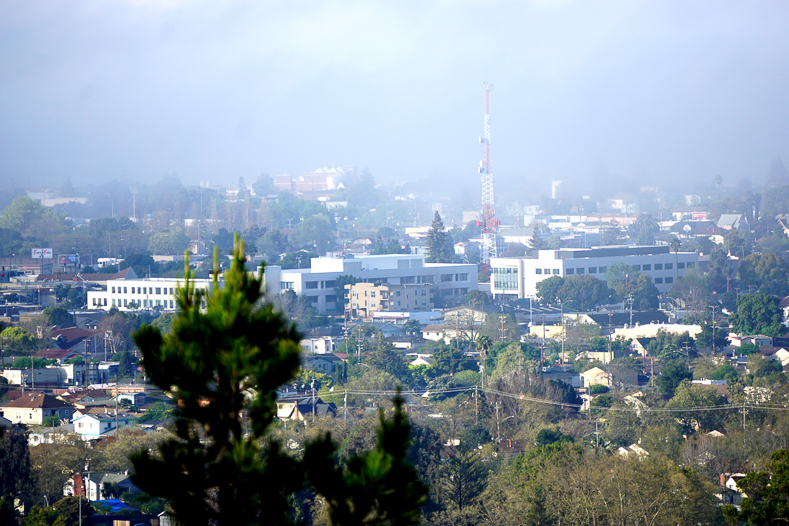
(502, 318)
(542, 348)
(630, 299)
(713, 329)
(610, 334)
(561, 305)
(476, 405)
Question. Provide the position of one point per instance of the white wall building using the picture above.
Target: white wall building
(519, 276)
(145, 293)
(317, 282)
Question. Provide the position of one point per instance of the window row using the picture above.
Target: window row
(144, 290)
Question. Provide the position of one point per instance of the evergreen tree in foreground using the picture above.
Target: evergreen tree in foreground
(223, 363)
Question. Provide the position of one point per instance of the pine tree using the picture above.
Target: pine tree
(440, 248)
(225, 356)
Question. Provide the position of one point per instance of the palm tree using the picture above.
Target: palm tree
(675, 246)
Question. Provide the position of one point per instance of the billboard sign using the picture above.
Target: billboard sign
(47, 253)
(68, 259)
(41, 253)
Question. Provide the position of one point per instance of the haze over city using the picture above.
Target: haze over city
(662, 92)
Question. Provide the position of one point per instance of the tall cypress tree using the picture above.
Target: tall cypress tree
(440, 248)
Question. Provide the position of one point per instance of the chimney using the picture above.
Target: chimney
(723, 479)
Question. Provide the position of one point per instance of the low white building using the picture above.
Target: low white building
(146, 293)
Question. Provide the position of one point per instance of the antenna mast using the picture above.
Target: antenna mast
(489, 222)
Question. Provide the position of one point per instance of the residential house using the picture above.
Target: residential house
(302, 408)
(595, 376)
(760, 340)
(639, 345)
(318, 345)
(100, 486)
(34, 408)
(95, 426)
(775, 354)
(732, 222)
(324, 363)
(439, 332)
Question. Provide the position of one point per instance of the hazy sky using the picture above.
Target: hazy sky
(660, 91)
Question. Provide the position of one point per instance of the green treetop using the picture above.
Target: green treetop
(224, 362)
(440, 248)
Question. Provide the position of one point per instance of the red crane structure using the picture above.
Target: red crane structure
(489, 223)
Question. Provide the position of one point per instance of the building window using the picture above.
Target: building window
(286, 285)
(647, 267)
(464, 277)
(124, 290)
(397, 293)
(569, 272)
(113, 302)
(372, 293)
(171, 304)
(446, 277)
(105, 302)
(538, 271)
(125, 303)
(113, 290)
(658, 281)
(556, 271)
(407, 279)
(579, 271)
(424, 292)
(547, 271)
(637, 267)
(603, 270)
(94, 301)
(658, 266)
(691, 264)
(145, 290)
(592, 270)
(670, 266)
(310, 284)
(158, 290)
(399, 303)
(669, 280)
(132, 290)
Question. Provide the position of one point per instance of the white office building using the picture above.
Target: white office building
(518, 277)
(450, 281)
(146, 294)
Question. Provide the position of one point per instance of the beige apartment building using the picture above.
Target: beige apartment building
(366, 298)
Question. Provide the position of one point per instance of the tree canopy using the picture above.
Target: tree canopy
(757, 314)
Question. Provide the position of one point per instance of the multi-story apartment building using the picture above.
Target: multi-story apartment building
(366, 298)
(519, 276)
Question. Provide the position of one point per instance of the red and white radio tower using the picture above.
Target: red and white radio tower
(489, 223)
